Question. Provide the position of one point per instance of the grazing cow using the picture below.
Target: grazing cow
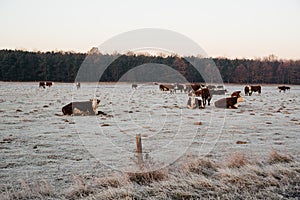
(81, 108)
(167, 88)
(230, 102)
(205, 94)
(250, 89)
(48, 83)
(42, 84)
(255, 88)
(283, 88)
(134, 86)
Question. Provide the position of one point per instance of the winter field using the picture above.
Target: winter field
(244, 153)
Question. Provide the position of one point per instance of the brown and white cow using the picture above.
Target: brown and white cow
(253, 88)
(230, 102)
(82, 108)
(283, 88)
(45, 83)
(49, 83)
(205, 94)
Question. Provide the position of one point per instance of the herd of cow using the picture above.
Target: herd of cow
(198, 96)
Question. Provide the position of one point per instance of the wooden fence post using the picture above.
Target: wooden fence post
(138, 139)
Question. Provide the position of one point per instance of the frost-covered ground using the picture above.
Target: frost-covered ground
(38, 143)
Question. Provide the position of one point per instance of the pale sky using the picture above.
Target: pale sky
(227, 28)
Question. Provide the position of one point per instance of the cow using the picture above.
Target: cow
(250, 89)
(134, 86)
(205, 94)
(49, 83)
(255, 88)
(167, 88)
(283, 88)
(82, 108)
(42, 84)
(230, 102)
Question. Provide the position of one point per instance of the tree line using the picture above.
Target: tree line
(18, 65)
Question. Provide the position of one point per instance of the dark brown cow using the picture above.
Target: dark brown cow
(134, 86)
(283, 88)
(42, 84)
(167, 88)
(255, 88)
(205, 94)
(230, 102)
(81, 108)
(49, 83)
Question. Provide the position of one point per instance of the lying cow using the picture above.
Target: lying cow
(283, 88)
(82, 108)
(230, 102)
(250, 89)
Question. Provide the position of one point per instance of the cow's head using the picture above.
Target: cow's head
(238, 95)
(95, 103)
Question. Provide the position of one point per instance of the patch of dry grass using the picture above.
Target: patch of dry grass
(25, 190)
(238, 177)
(237, 160)
(276, 157)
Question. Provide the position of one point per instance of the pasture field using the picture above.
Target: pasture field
(245, 153)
